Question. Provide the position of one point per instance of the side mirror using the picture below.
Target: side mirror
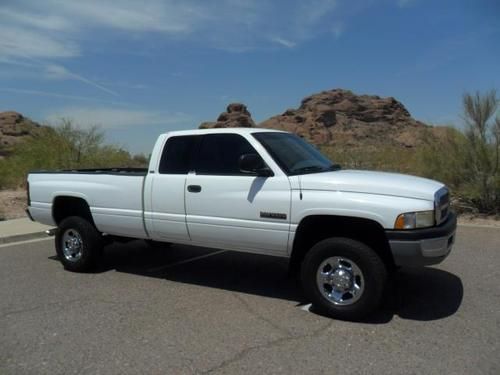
(253, 163)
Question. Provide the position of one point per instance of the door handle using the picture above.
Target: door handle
(194, 188)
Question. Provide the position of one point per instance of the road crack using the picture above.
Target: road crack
(270, 344)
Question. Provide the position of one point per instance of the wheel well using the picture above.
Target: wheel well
(313, 229)
(64, 207)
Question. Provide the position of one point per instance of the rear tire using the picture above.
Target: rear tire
(343, 278)
(78, 244)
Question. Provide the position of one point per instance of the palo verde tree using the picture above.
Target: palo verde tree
(482, 152)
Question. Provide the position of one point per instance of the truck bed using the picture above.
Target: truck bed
(114, 196)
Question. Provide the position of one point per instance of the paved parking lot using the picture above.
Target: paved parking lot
(190, 310)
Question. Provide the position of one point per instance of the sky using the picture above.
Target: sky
(141, 68)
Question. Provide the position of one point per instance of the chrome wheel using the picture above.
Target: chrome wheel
(340, 280)
(72, 245)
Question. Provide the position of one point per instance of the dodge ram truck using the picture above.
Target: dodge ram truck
(258, 191)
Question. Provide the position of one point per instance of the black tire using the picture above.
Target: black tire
(373, 276)
(157, 244)
(88, 252)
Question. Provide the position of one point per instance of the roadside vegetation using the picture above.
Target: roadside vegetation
(466, 160)
(64, 146)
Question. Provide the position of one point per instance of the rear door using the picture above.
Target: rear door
(168, 215)
(231, 209)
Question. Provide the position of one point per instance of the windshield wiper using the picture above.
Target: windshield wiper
(316, 168)
(334, 167)
(311, 168)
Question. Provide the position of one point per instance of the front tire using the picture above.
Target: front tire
(78, 244)
(344, 278)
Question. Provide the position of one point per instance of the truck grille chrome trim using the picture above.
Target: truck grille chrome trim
(442, 204)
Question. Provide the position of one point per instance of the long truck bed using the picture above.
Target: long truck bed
(114, 195)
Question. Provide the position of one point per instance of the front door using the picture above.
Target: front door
(230, 209)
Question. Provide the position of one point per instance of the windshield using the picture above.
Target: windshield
(293, 154)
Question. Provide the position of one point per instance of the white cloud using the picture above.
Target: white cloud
(283, 42)
(60, 72)
(39, 36)
(164, 16)
(116, 118)
(18, 42)
(48, 22)
(56, 28)
(50, 94)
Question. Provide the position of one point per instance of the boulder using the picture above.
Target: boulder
(235, 116)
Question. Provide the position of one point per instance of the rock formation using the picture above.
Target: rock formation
(342, 118)
(14, 127)
(338, 117)
(236, 116)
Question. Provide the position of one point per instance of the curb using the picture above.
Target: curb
(22, 237)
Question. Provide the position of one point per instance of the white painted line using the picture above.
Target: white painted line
(185, 261)
(305, 307)
(26, 241)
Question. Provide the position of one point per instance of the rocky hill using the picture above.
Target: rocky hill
(14, 127)
(339, 117)
(236, 116)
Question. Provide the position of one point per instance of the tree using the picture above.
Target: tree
(483, 142)
(65, 146)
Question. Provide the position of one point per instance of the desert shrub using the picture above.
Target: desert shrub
(442, 157)
(482, 151)
(63, 147)
(385, 158)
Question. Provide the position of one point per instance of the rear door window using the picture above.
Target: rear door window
(178, 155)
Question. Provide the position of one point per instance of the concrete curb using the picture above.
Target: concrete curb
(22, 237)
(22, 229)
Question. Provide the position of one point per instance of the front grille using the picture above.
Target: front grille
(442, 204)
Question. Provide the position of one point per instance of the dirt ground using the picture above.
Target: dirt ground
(13, 203)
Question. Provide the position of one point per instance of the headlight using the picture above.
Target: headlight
(412, 220)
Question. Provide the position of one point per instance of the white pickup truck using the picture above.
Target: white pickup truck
(259, 191)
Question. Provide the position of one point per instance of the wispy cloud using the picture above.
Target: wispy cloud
(52, 32)
(50, 94)
(48, 22)
(56, 28)
(54, 71)
(19, 42)
(117, 118)
(284, 42)
(60, 72)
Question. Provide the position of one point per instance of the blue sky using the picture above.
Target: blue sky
(139, 68)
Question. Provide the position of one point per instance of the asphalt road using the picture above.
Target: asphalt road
(190, 310)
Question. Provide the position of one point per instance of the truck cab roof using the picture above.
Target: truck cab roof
(241, 131)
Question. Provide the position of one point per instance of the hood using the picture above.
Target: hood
(381, 183)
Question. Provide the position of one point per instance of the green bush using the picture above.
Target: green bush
(63, 147)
